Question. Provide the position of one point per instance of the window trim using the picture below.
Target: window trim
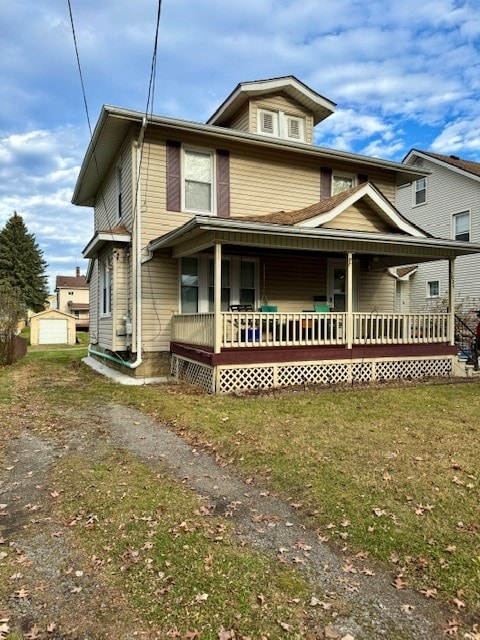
(105, 288)
(275, 122)
(342, 174)
(118, 189)
(429, 294)
(417, 191)
(454, 226)
(213, 181)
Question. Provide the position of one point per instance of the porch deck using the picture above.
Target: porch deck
(252, 350)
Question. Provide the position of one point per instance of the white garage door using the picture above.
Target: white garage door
(52, 331)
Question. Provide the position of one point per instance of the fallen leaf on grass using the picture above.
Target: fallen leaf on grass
(34, 633)
(330, 633)
(223, 634)
(76, 590)
(21, 593)
(458, 603)
(407, 608)
(399, 582)
(429, 593)
(51, 627)
(285, 626)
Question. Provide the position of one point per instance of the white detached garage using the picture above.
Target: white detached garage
(52, 327)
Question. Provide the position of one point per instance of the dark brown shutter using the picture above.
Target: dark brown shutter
(223, 183)
(325, 183)
(174, 191)
(362, 178)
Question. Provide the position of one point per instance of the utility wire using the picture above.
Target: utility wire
(153, 70)
(79, 67)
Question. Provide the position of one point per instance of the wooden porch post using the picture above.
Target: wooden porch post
(349, 328)
(451, 299)
(217, 298)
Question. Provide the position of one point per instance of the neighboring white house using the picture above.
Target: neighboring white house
(446, 203)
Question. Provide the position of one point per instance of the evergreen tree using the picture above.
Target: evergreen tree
(22, 266)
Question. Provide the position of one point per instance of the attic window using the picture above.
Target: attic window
(268, 122)
(295, 128)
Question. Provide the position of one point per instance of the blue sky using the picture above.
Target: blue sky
(403, 74)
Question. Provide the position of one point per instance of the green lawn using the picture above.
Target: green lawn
(392, 472)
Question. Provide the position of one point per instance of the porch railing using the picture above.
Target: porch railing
(258, 329)
(404, 328)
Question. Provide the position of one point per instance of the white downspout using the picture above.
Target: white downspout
(451, 300)
(138, 253)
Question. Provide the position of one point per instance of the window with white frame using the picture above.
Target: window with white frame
(239, 283)
(198, 173)
(295, 128)
(281, 124)
(433, 289)
(342, 182)
(461, 226)
(118, 184)
(420, 191)
(105, 288)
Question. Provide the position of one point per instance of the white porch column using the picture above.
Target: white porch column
(451, 299)
(349, 328)
(217, 298)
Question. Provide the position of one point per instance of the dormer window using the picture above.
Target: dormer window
(295, 128)
(268, 122)
(281, 125)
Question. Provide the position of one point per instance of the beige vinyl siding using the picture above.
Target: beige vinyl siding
(106, 200)
(160, 302)
(376, 292)
(120, 298)
(241, 120)
(290, 282)
(93, 301)
(282, 102)
(260, 184)
(359, 217)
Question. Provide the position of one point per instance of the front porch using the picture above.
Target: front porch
(260, 350)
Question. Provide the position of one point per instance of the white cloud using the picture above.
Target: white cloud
(459, 137)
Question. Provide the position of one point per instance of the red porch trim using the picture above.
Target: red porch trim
(260, 355)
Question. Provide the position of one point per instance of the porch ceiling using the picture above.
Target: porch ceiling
(203, 232)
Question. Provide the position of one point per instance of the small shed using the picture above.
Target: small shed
(52, 327)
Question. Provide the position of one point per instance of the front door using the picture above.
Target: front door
(337, 285)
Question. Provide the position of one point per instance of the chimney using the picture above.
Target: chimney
(78, 272)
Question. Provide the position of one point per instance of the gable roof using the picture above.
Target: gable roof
(71, 282)
(320, 107)
(468, 167)
(327, 209)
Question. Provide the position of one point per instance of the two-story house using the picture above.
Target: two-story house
(239, 255)
(73, 297)
(446, 202)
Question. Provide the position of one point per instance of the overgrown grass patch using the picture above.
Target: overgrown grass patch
(183, 568)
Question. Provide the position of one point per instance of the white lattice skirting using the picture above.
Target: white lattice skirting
(231, 378)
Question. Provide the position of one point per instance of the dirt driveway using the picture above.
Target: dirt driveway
(53, 591)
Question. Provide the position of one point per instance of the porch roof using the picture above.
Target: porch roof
(202, 232)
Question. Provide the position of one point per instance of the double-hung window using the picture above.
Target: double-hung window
(198, 172)
(105, 288)
(420, 191)
(342, 182)
(461, 226)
